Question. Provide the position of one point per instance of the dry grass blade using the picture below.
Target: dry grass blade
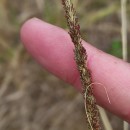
(40, 4)
(105, 119)
(101, 14)
(124, 29)
(124, 40)
(9, 74)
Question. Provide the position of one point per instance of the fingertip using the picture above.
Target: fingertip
(27, 27)
(41, 39)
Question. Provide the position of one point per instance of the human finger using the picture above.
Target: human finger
(52, 48)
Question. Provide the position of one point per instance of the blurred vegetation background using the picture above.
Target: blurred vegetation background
(30, 97)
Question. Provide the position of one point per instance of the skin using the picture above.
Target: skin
(52, 47)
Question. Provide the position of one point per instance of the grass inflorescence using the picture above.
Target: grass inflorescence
(92, 112)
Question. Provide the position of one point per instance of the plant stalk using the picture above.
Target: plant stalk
(124, 29)
(124, 41)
